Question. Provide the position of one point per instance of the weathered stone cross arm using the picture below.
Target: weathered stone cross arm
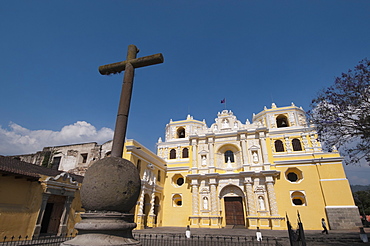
(128, 66)
(136, 63)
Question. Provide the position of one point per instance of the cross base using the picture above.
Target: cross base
(104, 229)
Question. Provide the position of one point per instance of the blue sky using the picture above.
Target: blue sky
(252, 53)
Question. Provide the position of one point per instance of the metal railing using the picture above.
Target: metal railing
(50, 240)
(203, 240)
(152, 240)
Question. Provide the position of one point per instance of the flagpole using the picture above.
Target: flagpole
(223, 101)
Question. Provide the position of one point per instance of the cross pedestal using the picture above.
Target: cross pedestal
(112, 185)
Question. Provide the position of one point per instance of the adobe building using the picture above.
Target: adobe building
(35, 200)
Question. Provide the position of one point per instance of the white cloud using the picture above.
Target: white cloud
(19, 140)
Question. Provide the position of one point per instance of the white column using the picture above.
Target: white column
(151, 212)
(214, 207)
(244, 148)
(45, 198)
(272, 196)
(211, 155)
(194, 155)
(67, 207)
(141, 202)
(195, 199)
(250, 198)
(264, 149)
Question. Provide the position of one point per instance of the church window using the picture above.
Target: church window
(159, 176)
(177, 200)
(178, 180)
(293, 175)
(56, 162)
(84, 158)
(229, 155)
(282, 121)
(297, 146)
(298, 198)
(173, 154)
(185, 153)
(279, 146)
(181, 132)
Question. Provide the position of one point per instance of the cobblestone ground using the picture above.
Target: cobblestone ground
(335, 237)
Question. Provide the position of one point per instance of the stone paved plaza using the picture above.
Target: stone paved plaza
(335, 237)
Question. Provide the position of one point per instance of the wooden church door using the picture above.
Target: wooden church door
(234, 211)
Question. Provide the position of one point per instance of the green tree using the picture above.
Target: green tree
(341, 114)
(362, 201)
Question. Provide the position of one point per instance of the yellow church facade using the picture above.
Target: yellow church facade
(251, 174)
(229, 174)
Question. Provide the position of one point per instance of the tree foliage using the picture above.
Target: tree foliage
(362, 201)
(341, 114)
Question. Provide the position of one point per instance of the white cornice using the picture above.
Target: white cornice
(173, 169)
(310, 161)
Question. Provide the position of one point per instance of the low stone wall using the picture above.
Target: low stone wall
(343, 218)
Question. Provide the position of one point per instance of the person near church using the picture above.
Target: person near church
(187, 232)
(258, 234)
(323, 224)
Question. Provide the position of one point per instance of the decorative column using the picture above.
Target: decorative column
(244, 148)
(37, 230)
(250, 197)
(264, 150)
(194, 156)
(194, 219)
(272, 197)
(195, 199)
(151, 216)
(252, 212)
(288, 144)
(215, 218)
(140, 213)
(214, 207)
(178, 152)
(67, 207)
(211, 155)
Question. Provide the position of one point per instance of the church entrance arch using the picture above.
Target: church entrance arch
(234, 206)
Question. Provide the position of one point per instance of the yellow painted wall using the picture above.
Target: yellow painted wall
(314, 209)
(177, 216)
(20, 201)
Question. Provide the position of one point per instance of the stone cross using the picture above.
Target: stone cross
(128, 66)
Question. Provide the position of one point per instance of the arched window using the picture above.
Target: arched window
(181, 132)
(279, 146)
(282, 121)
(177, 200)
(173, 154)
(297, 146)
(298, 198)
(185, 153)
(229, 155)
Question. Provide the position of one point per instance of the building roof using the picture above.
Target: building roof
(17, 167)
